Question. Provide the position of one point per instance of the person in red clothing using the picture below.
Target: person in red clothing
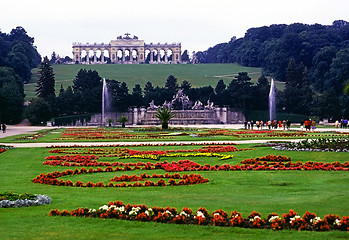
(307, 124)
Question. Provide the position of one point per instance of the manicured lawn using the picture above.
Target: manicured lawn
(198, 75)
(117, 134)
(321, 192)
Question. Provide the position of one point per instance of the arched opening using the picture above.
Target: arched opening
(106, 56)
(134, 55)
(147, 56)
(83, 56)
(127, 55)
(169, 54)
(90, 55)
(119, 54)
(162, 55)
(155, 56)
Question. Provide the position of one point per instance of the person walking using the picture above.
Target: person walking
(3, 126)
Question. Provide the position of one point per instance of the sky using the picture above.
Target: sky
(197, 25)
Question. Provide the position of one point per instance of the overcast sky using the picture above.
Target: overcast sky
(197, 24)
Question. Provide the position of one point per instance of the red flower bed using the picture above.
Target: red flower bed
(118, 210)
(52, 179)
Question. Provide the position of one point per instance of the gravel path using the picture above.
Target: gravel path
(16, 130)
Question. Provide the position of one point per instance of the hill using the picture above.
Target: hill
(198, 75)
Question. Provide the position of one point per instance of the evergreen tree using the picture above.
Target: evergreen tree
(261, 94)
(171, 83)
(45, 88)
(220, 86)
(186, 86)
(136, 96)
(240, 90)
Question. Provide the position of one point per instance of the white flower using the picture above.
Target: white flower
(134, 211)
(255, 218)
(273, 218)
(199, 214)
(184, 214)
(294, 218)
(216, 214)
(337, 222)
(104, 208)
(112, 207)
(169, 213)
(149, 212)
(120, 209)
(92, 210)
(315, 220)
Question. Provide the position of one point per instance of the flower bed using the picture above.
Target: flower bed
(291, 220)
(8, 200)
(339, 144)
(52, 179)
(269, 162)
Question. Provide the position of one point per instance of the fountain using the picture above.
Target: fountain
(105, 101)
(272, 103)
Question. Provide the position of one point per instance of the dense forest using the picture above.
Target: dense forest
(312, 59)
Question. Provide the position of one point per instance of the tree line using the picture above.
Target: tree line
(318, 53)
(85, 95)
(18, 56)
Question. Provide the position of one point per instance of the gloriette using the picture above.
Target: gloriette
(127, 50)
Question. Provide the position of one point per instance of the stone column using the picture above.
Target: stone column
(224, 115)
(102, 56)
(142, 114)
(123, 55)
(87, 58)
(135, 116)
(218, 113)
(151, 55)
(166, 58)
(158, 55)
(94, 56)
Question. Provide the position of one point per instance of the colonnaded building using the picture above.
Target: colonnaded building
(127, 50)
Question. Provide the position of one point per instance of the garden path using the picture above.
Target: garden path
(13, 130)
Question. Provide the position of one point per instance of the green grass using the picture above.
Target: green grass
(247, 191)
(198, 75)
(56, 136)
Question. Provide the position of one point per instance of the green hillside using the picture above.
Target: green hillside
(198, 75)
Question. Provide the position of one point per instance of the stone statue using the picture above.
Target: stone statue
(152, 106)
(209, 105)
(198, 105)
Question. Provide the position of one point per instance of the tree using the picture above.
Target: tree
(88, 84)
(185, 56)
(45, 88)
(39, 111)
(164, 115)
(186, 86)
(220, 86)
(261, 94)
(240, 90)
(171, 83)
(123, 120)
(136, 98)
(297, 95)
(11, 96)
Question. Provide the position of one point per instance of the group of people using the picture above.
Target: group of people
(274, 124)
(309, 125)
(343, 123)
